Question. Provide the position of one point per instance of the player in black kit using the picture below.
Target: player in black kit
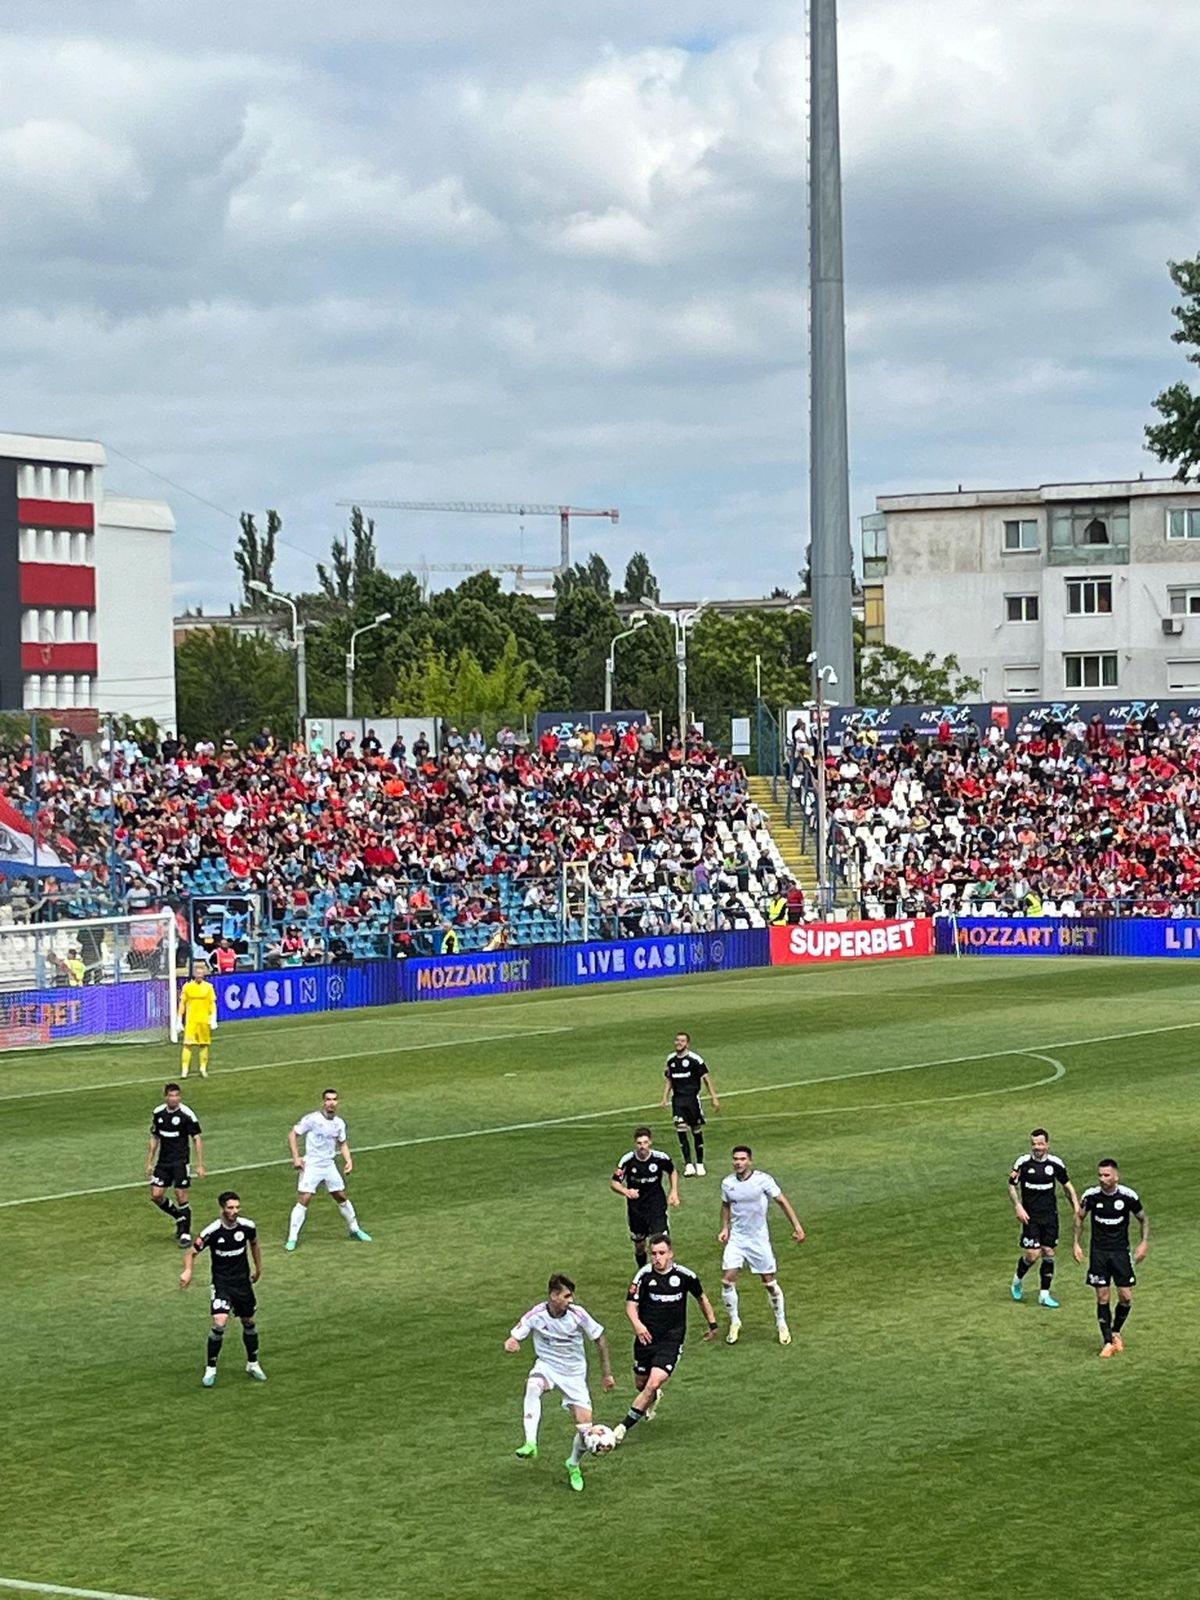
(1110, 1205)
(1033, 1190)
(230, 1241)
(639, 1178)
(657, 1308)
(686, 1073)
(172, 1124)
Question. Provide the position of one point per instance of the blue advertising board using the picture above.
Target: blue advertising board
(1068, 936)
(887, 721)
(292, 991)
(565, 723)
(31, 1017)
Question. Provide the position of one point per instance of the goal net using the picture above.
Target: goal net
(87, 981)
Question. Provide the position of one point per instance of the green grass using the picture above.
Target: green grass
(923, 1436)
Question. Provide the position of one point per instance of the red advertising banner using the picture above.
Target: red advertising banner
(811, 942)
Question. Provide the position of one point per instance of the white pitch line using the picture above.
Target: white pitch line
(623, 1111)
(57, 1588)
(300, 1061)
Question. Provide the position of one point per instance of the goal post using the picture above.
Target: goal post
(88, 981)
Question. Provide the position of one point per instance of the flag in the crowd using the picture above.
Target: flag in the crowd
(17, 852)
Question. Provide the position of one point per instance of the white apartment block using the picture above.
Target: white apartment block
(1070, 589)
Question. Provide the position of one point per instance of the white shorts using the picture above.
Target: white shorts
(312, 1177)
(753, 1253)
(571, 1385)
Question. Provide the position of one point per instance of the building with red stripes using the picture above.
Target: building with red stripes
(85, 588)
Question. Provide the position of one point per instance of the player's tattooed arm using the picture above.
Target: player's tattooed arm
(1014, 1194)
(198, 1146)
(1144, 1242)
(607, 1381)
(151, 1154)
(1077, 1225)
(185, 1277)
(710, 1317)
(619, 1186)
(1072, 1197)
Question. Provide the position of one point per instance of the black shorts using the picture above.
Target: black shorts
(1111, 1266)
(1040, 1233)
(239, 1302)
(687, 1113)
(664, 1353)
(175, 1176)
(646, 1220)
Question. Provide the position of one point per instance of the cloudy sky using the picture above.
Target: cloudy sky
(284, 254)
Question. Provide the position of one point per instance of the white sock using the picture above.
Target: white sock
(579, 1448)
(346, 1207)
(730, 1296)
(775, 1295)
(299, 1213)
(533, 1409)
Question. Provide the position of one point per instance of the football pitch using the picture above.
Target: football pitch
(922, 1436)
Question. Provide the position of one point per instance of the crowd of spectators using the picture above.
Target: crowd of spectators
(1067, 817)
(354, 850)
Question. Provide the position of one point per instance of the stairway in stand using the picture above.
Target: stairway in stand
(801, 863)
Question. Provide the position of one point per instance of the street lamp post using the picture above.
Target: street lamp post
(384, 616)
(610, 664)
(821, 677)
(297, 645)
(681, 621)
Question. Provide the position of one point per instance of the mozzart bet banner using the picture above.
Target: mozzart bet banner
(810, 942)
(1068, 936)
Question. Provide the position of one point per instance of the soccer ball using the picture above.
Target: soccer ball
(599, 1440)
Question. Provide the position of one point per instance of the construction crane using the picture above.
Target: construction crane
(495, 508)
(422, 568)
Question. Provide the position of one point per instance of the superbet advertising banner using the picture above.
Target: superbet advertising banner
(811, 942)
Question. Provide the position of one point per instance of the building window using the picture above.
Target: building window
(1184, 602)
(875, 545)
(1183, 524)
(1022, 535)
(873, 629)
(1183, 675)
(1089, 597)
(1091, 671)
(1020, 608)
(1021, 683)
(1088, 527)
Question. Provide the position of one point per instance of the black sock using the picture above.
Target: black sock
(639, 1254)
(183, 1219)
(632, 1418)
(685, 1146)
(214, 1346)
(1023, 1267)
(1104, 1318)
(1047, 1273)
(1124, 1307)
(699, 1138)
(250, 1340)
(164, 1204)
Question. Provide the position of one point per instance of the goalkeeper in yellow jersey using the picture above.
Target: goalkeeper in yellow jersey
(198, 1014)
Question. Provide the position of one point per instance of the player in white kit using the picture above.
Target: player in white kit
(560, 1328)
(746, 1196)
(324, 1135)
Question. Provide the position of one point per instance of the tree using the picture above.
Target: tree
(591, 574)
(1176, 439)
(463, 691)
(225, 679)
(353, 559)
(806, 572)
(889, 676)
(255, 556)
(640, 583)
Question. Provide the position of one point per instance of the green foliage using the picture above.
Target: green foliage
(353, 559)
(640, 582)
(225, 679)
(255, 558)
(722, 666)
(1176, 439)
(463, 691)
(889, 676)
